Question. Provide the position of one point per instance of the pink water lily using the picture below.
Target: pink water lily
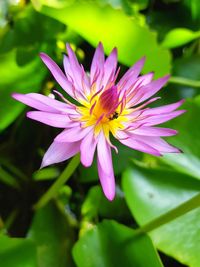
(105, 108)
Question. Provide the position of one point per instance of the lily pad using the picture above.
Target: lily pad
(112, 244)
(151, 193)
(103, 23)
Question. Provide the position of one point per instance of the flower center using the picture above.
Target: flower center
(105, 112)
(106, 105)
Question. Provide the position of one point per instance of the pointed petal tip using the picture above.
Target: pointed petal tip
(115, 50)
(15, 95)
(100, 46)
(42, 165)
(140, 63)
(174, 132)
(28, 114)
(176, 150)
(143, 58)
(85, 163)
(110, 195)
(165, 78)
(182, 111)
(68, 47)
(181, 101)
(42, 55)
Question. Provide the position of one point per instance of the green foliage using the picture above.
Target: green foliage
(14, 251)
(111, 25)
(152, 192)
(178, 37)
(17, 82)
(58, 216)
(112, 244)
(51, 232)
(187, 140)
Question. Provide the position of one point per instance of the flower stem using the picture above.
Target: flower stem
(185, 207)
(184, 81)
(53, 190)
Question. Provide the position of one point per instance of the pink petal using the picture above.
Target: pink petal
(161, 118)
(144, 79)
(97, 66)
(52, 119)
(105, 168)
(157, 143)
(87, 149)
(153, 131)
(110, 66)
(44, 103)
(146, 91)
(141, 81)
(57, 74)
(131, 75)
(133, 143)
(59, 152)
(67, 68)
(77, 72)
(77, 76)
(165, 108)
(72, 135)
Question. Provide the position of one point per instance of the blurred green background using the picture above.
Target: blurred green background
(77, 226)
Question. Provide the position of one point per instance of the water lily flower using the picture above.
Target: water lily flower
(105, 107)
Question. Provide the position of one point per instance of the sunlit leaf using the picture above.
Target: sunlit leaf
(112, 244)
(150, 193)
(194, 7)
(46, 174)
(116, 209)
(187, 140)
(102, 23)
(178, 37)
(17, 252)
(53, 237)
(7, 178)
(14, 78)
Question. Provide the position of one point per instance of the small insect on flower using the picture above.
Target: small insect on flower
(106, 107)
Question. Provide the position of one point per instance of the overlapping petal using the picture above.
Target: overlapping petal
(72, 134)
(59, 152)
(104, 106)
(130, 77)
(87, 149)
(105, 167)
(43, 103)
(52, 119)
(57, 74)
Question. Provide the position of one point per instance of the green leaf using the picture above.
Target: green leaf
(111, 26)
(178, 37)
(8, 179)
(194, 7)
(17, 252)
(46, 174)
(14, 78)
(120, 161)
(53, 237)
(113, 244)
(116, 209)
(151, 193)
(58, 184)
(187, 140)
(28, 31)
